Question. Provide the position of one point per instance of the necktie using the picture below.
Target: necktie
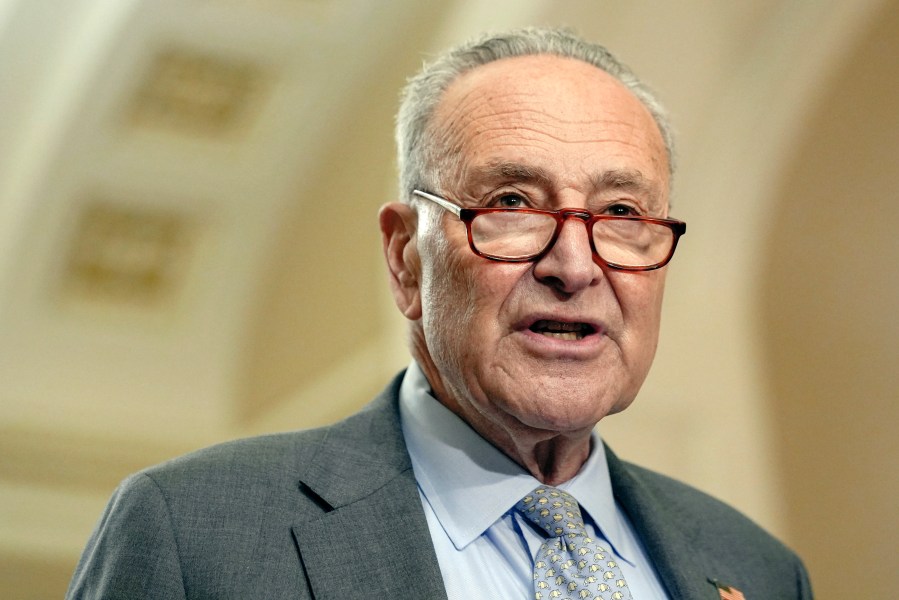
(569, 564)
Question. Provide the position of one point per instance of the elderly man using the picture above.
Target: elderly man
(528, 253)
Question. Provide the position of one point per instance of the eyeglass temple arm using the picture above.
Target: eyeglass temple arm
(439, 201)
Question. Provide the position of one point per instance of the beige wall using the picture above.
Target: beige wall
(829, 313)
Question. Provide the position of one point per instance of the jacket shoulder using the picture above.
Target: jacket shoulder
(217, 522)
(246, 460)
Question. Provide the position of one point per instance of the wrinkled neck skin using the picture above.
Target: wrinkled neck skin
(552, 457)
(555, 459)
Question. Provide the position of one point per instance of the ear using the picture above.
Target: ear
(398, 234)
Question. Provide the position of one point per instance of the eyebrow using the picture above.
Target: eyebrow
(512, 171)
(624, 179)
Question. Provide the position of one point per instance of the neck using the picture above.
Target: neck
(551, 457)
(558, 460)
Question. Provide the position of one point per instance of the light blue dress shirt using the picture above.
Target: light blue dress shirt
(468, 489)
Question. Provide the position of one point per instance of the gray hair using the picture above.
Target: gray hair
(419, 156)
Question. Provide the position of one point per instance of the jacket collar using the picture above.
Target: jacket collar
(669, 542)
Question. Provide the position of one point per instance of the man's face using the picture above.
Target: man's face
(557, 344)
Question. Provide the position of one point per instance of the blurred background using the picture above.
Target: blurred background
(189, 250)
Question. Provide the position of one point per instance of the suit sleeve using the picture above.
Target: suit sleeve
(133, 552)
(805, 585)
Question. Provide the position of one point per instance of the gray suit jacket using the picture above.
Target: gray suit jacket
(335, 513)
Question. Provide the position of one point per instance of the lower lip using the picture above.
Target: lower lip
(553, 347)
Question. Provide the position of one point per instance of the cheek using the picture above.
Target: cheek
(464, 298)
(640, 299)
(445, 285)
(446, 298)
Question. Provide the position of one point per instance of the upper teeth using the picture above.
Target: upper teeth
(559, 326)
(560, 330)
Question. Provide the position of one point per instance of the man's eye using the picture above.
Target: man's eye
(621, 210)
(508, 201)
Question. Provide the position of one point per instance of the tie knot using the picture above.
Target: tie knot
(555, 511)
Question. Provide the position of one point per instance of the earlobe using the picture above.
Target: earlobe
(398, 234)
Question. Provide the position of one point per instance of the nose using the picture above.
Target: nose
(569, 265)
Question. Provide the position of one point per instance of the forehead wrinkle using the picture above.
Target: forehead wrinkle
(461, 110)
(539, 126)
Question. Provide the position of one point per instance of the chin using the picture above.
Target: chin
(563, 412)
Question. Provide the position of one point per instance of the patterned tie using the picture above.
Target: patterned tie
(570, 564)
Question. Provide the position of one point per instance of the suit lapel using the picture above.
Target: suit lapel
(379, 547)
(666, 535)
(374, 539)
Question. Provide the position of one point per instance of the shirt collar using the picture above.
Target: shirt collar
(470, 484)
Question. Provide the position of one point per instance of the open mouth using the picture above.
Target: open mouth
(563, 331)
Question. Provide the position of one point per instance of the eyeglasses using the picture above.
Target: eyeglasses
(626, 243)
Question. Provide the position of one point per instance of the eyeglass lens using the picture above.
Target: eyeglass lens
(519, 235)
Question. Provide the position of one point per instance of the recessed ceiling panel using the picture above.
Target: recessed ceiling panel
(198, 93)
(126, 254)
